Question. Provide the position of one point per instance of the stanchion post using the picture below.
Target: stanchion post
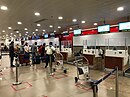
(117, 84)
(95, 90)
(16, 63)
(50, 65)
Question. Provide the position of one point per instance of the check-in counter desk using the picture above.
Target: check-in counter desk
(93, 57)
(115, 58)
(66, 52)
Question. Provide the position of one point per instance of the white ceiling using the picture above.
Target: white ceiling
(89, 10)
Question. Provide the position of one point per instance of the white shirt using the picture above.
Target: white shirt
(26, 49)
(49, 50)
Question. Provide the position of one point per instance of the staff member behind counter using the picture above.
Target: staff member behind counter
(50, 49)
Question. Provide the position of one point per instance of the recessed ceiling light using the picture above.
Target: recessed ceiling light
(83, 22)
(74, 20)
(19, 23)
(95, 24)
(36, 29)
(6, 34)
(27, 32)
(60, 17)
(43, 30)
(4, 8)
(70, 28)
(37, 13)
(14, 35)
(9, 27)
(59, 27)
(38, 24)
(54, 30)
(33, 32)
(11, 33)
(51, 26)
(3, 30)
(17, 31)
(25, 29)
(120, 8)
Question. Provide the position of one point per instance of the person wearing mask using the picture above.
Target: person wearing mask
(34, 52)
(11, 53)
(49, 53)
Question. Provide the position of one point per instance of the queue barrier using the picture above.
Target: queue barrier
(96, 83)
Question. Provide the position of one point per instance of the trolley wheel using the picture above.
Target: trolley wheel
(76, 79)
(65, 71)
(54, 70)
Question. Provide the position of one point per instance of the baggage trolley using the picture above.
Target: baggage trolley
(82, 65)
(59, 64)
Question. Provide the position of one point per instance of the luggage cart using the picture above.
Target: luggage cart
(82, 66)
(59, 64)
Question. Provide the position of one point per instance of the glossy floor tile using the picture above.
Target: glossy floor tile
(36, 82)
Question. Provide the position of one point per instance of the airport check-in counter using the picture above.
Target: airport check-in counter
(115, 58)
(93, 57)
(66, 52)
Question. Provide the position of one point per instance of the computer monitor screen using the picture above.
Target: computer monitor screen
(52, 34)
(124, 26)
(104, 28)
(77, 32)
(65, 33)
(45, 35)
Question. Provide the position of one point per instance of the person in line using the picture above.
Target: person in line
(26, 52)
(43, 52)
(11, 53)
(49, 54)
(22, 48)
(34, 52)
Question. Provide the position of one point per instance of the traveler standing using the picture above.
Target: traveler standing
(49, 53)
(34, 52)
(11, 53)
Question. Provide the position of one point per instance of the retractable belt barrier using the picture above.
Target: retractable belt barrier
(95, 83)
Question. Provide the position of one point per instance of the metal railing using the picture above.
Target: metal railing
(95, 84)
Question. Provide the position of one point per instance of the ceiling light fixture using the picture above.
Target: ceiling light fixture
(60, 17)
(4, 8)
(25, 29)
(70, 28)
(11, 33)
(95, 24)
(120, 8)
(17, 31)
(3, 30)
(74, 20)
(59, 27)
(38, 25)
(43, 30)
(27, 32)
(51, 26)
(83, 22)
(33, 32)
(37, 14)
(54, 30)
(19, 23)
(9, 27)
(36, 29)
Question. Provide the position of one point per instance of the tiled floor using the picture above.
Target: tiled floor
(37, 83)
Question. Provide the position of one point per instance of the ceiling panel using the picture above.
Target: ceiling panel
(89, 10)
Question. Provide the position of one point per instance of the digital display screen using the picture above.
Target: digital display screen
(124, 26)
(65, 33)
(104, 28)
(45, 35)
(77, 32)
(52, 35)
